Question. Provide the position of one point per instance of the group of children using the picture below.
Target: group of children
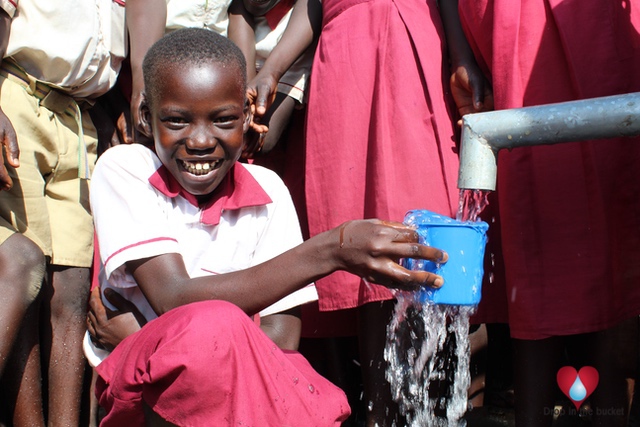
(203, 266)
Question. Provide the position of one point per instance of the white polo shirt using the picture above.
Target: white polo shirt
(75, 45)
(210, 14)
(141, 211)
(213, 15)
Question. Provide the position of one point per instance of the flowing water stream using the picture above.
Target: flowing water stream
(428, 349)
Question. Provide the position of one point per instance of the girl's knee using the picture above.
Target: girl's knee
(215, 312)
(22, 264)
(202, 320)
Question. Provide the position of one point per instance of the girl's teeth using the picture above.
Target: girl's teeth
(198, 168)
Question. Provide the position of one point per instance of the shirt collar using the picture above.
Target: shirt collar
(277, 12)
(239, 189)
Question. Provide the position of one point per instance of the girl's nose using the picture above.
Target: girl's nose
(201, 140)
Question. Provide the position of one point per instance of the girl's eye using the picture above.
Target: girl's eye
(173, 121)
(225, 120)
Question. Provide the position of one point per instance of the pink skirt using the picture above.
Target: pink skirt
(380, 130)
(207, 364)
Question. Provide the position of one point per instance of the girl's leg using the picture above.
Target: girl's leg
(65, 310)
(212, 352)
(24, 373)
(608, 351)
(536, 363)
(22, 265)
(373, 319)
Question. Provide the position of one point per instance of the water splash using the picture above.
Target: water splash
(428, 348)
(428, 352)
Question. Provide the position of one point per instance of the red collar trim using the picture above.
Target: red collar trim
(275, 15)
(238, 190)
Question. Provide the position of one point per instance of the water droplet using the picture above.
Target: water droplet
(295, 381)
(311, 388)
(577, 392)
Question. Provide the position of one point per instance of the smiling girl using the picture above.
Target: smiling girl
(201, 243)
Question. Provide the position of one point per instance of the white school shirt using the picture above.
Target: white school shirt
(213, 15)
(139, 211)
(210, 14)
(75, 45)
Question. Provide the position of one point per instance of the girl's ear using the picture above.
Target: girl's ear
(145, 117)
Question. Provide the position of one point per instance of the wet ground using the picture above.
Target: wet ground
(485, 417)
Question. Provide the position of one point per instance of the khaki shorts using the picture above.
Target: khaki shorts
(49, 202)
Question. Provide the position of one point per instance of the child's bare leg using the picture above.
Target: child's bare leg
(65, 306)
(22, 265)
(24, 374)
(608, 352)
(536, 363)
(373, 318)
(94, 407)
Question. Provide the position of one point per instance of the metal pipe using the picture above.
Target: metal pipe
(484, 134)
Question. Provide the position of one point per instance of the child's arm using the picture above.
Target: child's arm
(367, 248)
(301, 30)
(471, 92)
(109, 327)
(241, 32)
(7, 134)
(146, 22)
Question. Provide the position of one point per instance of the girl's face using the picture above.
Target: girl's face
(198, 119)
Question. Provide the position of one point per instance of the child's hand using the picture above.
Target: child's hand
(253, 143)
(372, 250)
(261, 92)
(109, 327)
(136, 115)
(9, 152)
(471, 92)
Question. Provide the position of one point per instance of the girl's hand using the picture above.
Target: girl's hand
(471, 91)
(9, 151)
(261, 93)
(109, 327)
(372, 249)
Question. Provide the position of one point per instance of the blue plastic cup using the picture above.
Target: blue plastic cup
(464, 242)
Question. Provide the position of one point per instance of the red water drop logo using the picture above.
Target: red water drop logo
(577, 386)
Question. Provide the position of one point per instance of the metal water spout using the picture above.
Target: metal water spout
(484, 134)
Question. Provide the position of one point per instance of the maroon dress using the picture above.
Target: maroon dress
(380, 135)
(208, 364)
(570, 212)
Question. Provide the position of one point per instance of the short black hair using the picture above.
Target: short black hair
(193, 46)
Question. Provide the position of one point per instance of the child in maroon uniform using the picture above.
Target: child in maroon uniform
(203, 361)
